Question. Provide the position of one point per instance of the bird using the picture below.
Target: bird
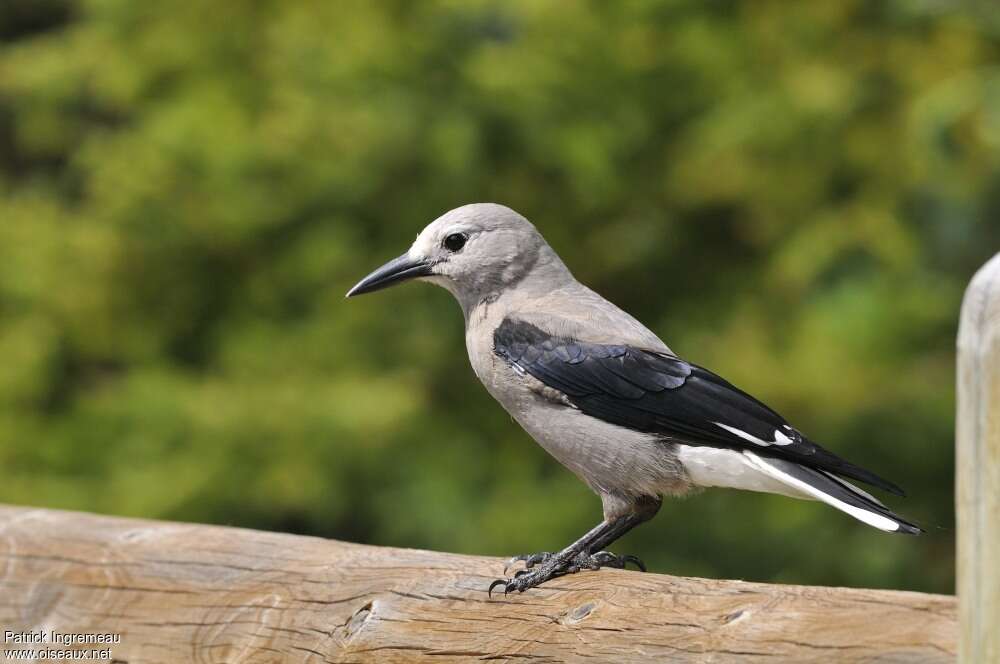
(606, 396)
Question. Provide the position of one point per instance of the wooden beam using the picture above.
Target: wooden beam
(193, 593)
(977, 467)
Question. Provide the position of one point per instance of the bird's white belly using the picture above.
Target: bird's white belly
(711, 466)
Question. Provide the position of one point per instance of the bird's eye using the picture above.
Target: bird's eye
(455, 241)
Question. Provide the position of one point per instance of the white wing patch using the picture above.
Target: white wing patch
(779, 437)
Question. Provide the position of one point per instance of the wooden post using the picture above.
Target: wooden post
(173, 592)
(977, 468)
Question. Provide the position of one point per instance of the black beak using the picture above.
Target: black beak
(396, 270)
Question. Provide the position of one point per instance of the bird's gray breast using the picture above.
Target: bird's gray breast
(609, 458)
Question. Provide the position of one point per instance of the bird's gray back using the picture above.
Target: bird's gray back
(576, 312)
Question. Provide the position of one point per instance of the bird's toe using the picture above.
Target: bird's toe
(539, 568)
(608, 559)
(529, 559)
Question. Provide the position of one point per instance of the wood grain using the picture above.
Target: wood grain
(195, 593)
(977, 467)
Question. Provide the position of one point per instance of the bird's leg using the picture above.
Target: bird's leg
(644, 510)
(640, 510)
(585, 553)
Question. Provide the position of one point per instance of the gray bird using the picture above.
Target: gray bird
(605, 396)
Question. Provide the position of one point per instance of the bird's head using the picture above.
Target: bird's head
(474, 251)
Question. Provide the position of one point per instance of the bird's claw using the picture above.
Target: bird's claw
(498, 582)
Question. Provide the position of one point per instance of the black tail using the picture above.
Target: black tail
(833, 463)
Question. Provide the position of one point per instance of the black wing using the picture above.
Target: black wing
(659, 393)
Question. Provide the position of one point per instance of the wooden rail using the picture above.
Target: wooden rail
(194, 593)
(977, 467)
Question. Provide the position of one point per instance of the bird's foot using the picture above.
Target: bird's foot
(540, 567)
(607, 559)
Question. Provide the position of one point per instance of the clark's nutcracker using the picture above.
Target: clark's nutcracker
(607, 398)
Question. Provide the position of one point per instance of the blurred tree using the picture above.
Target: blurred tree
(794, 195)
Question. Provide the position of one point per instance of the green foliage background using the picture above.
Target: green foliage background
(794, 194)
